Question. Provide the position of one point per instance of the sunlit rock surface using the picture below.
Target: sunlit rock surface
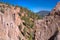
(8, 23)
(48, 28)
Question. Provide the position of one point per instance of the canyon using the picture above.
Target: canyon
(18, 23)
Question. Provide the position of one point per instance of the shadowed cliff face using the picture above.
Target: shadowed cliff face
(49, 27)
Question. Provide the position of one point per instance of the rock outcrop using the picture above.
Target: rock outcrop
(8, 28)
(16, 23)
(48, 28)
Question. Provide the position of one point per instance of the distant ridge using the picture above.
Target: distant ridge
(43, 13)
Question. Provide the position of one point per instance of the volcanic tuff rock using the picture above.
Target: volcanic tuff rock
(48, 28)
(16, 23)
(8, 23)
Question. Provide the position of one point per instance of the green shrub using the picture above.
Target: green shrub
(31, 36)
(21, 9)
(2, 10)
(25, 31)
(31, 25)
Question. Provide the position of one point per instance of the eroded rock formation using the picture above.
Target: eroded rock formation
(16, 23)
(49, 27)
(8, 28)
(9, 23)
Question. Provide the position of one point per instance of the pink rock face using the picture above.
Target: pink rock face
(16, 17)
(58, 6)
(45, 29)
(49, 27)
(8, 27)
(56, 9)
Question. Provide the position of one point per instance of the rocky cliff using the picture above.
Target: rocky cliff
(8, 25)
(16, 23)
(48, 28)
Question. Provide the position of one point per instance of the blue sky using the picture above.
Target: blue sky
(34, 5)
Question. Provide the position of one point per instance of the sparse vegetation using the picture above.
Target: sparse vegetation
(2, 10)
(29, 21)
(25, 31)
(28, 18)
(31, 36)
(21, 9)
